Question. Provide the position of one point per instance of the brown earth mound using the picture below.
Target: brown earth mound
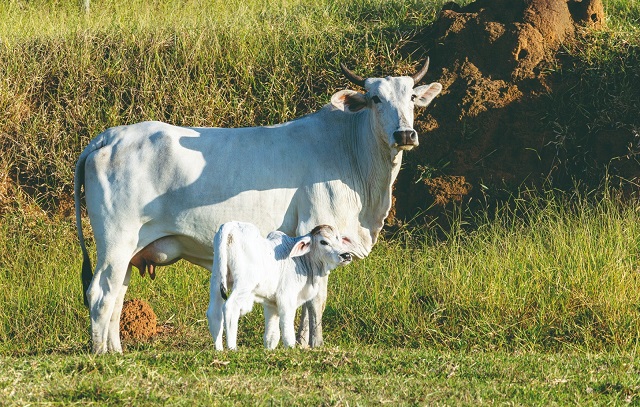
(137, 321)
(491, 57)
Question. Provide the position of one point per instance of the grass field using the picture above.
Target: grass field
(534, 302)
(330, 376)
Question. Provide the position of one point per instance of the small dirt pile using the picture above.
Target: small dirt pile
(137, 321)
(491, 57)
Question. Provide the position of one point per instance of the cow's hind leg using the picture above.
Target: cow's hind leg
(113, 336)
(105, 291)
(214, 312)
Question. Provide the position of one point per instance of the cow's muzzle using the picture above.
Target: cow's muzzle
(406, 139)
(346, 257)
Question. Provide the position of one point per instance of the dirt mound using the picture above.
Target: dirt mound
(137, 321)
(491, 57)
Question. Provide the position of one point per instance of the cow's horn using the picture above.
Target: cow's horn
(357, 79)
(418, 76)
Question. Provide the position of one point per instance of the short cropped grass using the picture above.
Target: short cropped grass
(330, 376)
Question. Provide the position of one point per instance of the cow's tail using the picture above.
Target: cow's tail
(220, 257)
(78, 180)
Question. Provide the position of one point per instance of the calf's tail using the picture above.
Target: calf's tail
(220, 254)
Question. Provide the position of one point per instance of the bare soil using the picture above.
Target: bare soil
(487, 130)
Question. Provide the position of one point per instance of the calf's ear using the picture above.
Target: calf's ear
(302, 247)
(426, 93)
(349, 101)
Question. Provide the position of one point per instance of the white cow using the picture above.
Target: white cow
(280, 272)
(156, 193)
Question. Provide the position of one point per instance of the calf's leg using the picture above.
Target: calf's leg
(271, 326)
(287, 311)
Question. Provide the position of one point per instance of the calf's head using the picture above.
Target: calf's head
(325, 245)
(391, 101)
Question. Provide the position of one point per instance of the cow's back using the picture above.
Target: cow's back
(166, 180)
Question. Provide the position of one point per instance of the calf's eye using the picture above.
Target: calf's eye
(376, 99)
(324, 242)
(413, 97)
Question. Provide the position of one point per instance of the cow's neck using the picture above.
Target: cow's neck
(377, 168)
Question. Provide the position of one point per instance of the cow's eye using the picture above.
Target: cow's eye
(324, 242)
(376, 99)
(413, 97)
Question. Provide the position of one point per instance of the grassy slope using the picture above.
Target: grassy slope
(67, 77)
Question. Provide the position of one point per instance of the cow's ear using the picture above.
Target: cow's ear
(426, 93)
(349, 101)
(302, 247)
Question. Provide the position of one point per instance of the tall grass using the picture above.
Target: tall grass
(544, 274)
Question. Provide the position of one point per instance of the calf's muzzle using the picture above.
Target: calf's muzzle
(346, 257)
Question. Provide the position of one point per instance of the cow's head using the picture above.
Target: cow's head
(391, 101)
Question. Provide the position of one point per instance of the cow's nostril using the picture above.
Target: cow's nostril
(405, 137)
(398, 137)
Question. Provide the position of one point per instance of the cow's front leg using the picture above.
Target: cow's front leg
(316, 308)
(303, 328)
(310, 328)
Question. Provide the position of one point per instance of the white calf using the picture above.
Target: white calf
(280, 272)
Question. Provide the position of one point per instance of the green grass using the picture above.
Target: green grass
(331, 376)
(548, 274)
